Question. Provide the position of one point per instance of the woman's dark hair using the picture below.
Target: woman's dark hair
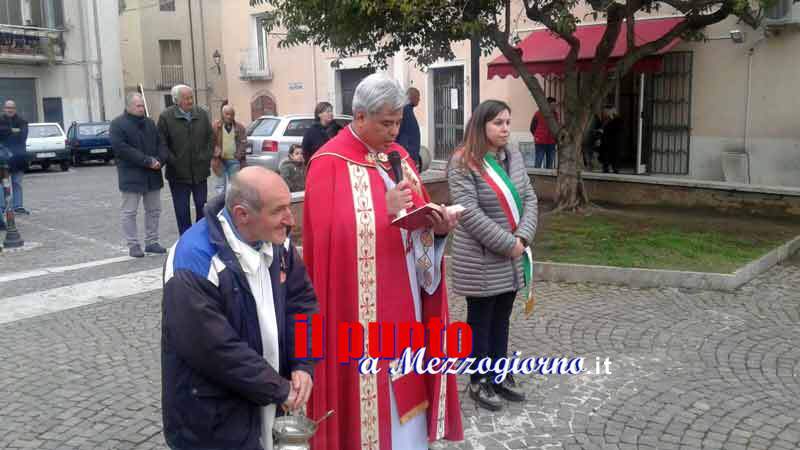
(475, 144)
(294, 147)
(321, 108)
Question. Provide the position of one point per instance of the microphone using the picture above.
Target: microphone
(394, 160)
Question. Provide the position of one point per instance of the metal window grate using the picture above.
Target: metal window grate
(667, 116)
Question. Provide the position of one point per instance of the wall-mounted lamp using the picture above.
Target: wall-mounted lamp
(217, 60)
(737, 36)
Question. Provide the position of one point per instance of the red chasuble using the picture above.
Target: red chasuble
(357, 263)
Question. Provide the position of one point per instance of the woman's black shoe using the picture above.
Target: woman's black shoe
(485, 396)
(509, 390)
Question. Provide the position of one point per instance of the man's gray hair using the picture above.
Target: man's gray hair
(377, 91)
(240, 193)
(130, 96)
(176, 91)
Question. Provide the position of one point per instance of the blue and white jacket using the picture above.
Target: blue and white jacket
(214, 377)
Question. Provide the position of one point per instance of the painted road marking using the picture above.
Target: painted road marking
(51, 270)
(81, 294)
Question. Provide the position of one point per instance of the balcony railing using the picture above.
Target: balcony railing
(31, 44)
(171, 75)
(254, 65)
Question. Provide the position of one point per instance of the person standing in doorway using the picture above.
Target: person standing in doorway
(140, 155)
(611, 140)
(187, 132)
(230, 143)
(543, 138)
(408, 137)
(13, 134)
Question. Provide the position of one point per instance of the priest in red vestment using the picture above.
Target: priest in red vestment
(366, 270)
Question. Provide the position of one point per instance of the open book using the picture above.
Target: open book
(418, 218)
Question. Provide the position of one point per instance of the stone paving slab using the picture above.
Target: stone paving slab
(689, 370)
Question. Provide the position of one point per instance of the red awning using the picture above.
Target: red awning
(543, 52)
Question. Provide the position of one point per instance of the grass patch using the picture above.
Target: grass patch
(659, 239)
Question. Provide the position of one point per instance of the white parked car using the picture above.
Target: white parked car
(269, 137)
(46, 145)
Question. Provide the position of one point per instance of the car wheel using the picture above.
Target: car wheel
(64, 166)
(45, 166)
(107, 161)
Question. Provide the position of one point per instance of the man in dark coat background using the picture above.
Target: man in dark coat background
(13, 134)
(187, 131)
(408, 136)
(140, 155)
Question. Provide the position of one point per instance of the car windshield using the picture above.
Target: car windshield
(93, 130)
(266, 127)
(43, 131)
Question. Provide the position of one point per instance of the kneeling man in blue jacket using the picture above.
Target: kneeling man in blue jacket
(231, 290)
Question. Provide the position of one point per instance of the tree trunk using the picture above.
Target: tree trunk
(570, 192)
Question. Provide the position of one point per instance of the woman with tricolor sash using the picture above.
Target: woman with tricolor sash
(491, 260)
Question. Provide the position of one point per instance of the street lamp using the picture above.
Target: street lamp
(13, 238)
(217, 59)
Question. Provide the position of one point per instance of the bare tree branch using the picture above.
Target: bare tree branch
(692, 22)
(538, 15)
(514, 56)
(508, 18)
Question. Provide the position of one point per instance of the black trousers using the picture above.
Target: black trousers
(180, 201)
(489, 318)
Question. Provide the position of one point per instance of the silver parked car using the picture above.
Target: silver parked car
(269, 137)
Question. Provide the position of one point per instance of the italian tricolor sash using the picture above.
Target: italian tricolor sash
(511, 203)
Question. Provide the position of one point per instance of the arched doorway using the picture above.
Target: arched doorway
(262, 105)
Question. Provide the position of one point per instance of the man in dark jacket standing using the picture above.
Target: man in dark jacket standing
(140, 155)
(13, 134)
(231, 293)
(408, 136)
(187, 132)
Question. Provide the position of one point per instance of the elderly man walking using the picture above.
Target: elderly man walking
(140, 155)
(230, 142)
(13, 134)
(187, 132)
(231, 293)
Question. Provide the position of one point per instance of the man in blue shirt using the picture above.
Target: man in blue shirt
(408, 136)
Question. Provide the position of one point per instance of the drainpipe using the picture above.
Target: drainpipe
(100, 93)
(750, 53)
(84, 58)
(191, 40)
(314, 71)
(207, 89)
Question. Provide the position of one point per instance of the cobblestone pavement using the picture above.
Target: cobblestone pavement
(689, 369)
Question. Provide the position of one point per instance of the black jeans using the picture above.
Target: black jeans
(180, 201)
(489, 317)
